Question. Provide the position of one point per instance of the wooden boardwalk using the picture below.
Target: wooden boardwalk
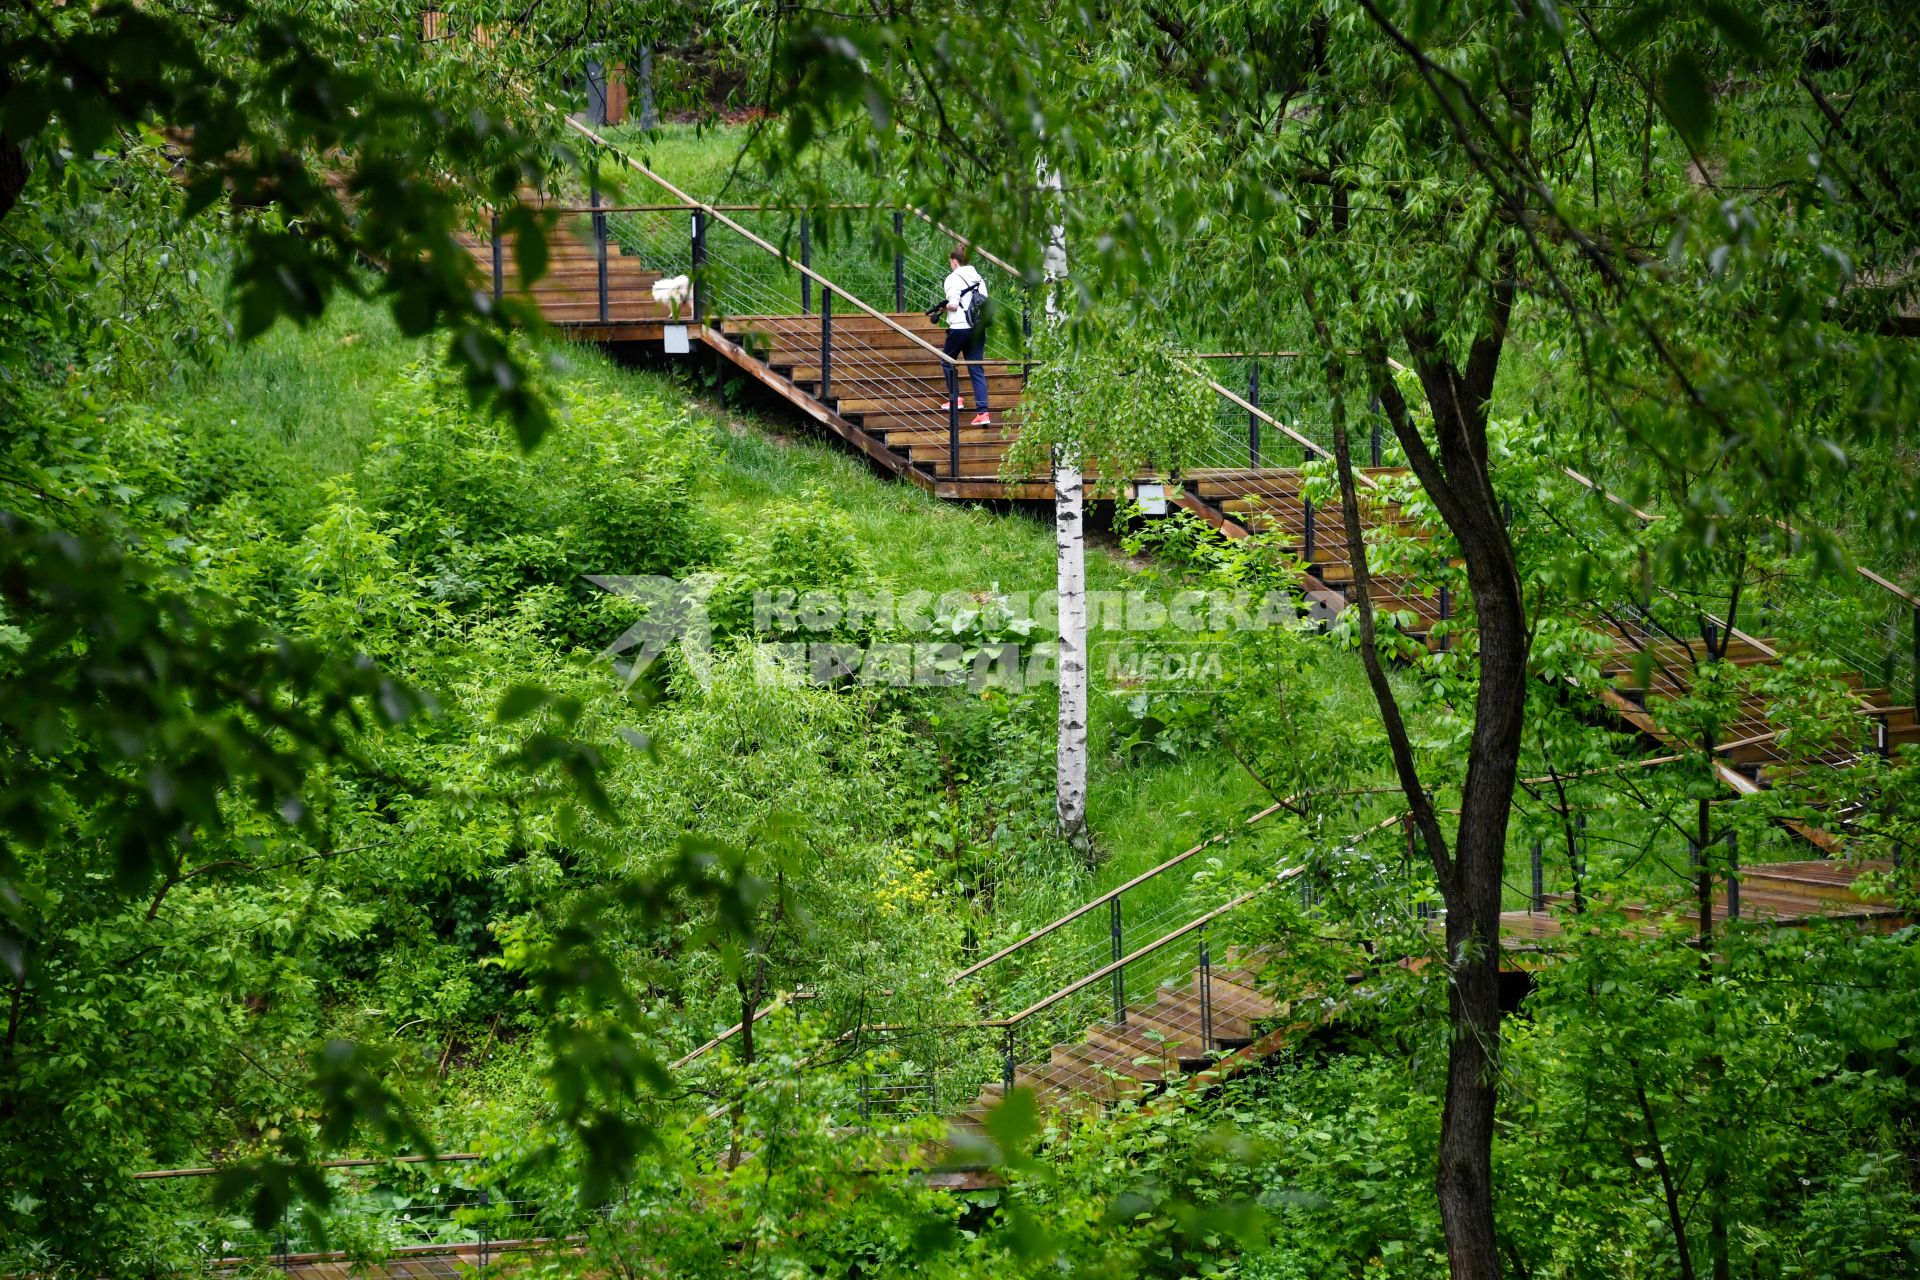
(1784, 894)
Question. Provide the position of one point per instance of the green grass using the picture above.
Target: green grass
(309, 398)
(299, 404)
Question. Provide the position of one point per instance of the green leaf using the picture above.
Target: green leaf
(520, 701)
(1014, 1121)
(1741, 31)
(1688, 99)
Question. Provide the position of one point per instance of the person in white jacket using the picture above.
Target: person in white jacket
(965, 289)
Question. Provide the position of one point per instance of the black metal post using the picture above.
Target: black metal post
(806, 261)
(953, 427)
(1446, 614)
(1006, 1063)
(1206, 996)
(497, 272)
(1306, 542)
(699, 266)
(1888, 655)
(1715, 646)
(1373, 410)
(1119, 975)
(1580, 852)
(480, 1245)
(826, 344)
(1733, 875)
(1539, 881)
(1882, 738)
(1253, 418)
(1916, 659)
(899, 262)
(599, 237)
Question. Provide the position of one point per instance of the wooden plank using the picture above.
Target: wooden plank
(889, 461)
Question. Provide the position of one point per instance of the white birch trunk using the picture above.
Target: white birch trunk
(1069, 523)
(1069, 520)
(649, 116)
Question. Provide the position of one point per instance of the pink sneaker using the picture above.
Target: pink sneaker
(948, 404)
(982, 421)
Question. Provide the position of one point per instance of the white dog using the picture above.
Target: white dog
(672, 292)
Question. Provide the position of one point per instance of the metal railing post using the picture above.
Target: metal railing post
(806, 260)
(899, 262)
(1733, 875)
(1539, 899)
(699, 266)
(1914, 672)
(599, 237)
(1119, 975)
(826, 344)
(1446, 613)
(481, 1244)
(1580, 849)
(1006, 1062)
(1374, 412)
(1206, 996)
(1888, 654)
(1253, 418)
(953, 427)
(498, 273)
(1307, 541)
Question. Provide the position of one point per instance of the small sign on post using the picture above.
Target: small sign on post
(676, 338)
(1151, 499)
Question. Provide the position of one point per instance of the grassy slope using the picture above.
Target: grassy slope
(310, 396)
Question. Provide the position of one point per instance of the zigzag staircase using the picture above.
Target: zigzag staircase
(874, 378)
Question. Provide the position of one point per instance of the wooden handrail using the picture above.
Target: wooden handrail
(1610, 496)
(721, 208)
(1107, 970)
(1358, 474)
(751, 238)
(1898, 592)
(945, 230)
(1894, 589)
(209, 1171)
(777, 1002)
(1111, 894)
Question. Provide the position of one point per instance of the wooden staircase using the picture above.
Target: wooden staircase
(1170, 1034)
(888, 386)
(1750, 752)
(879, 389)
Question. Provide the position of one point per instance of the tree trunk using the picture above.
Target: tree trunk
(1069, 526)
(1455, 474)
(1069, 522)
(649, 116)
(1472, 892)
(13, 161)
